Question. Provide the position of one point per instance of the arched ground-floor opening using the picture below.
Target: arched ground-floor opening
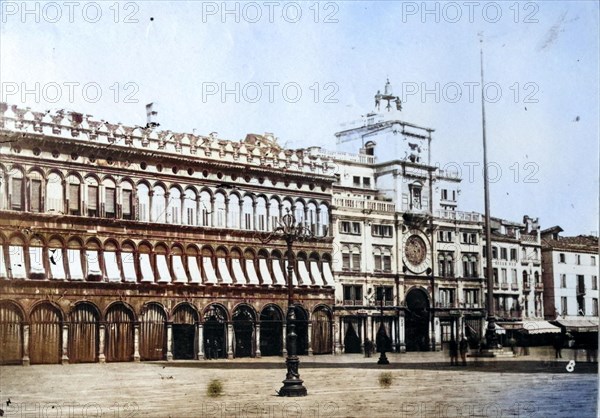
(351, 334)
(271, 329)
(185, 318)
(301, 330)
(417, 321)
(215, 332)
(153, 333)
(83, 334)
(45, 338)
(383, 329)
(244, 332)
(11, 334)
(322, 335)
(119, 333)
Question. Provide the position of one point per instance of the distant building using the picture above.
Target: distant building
(570, 276)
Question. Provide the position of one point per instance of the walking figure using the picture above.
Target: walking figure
(464, 349)
(558, 343)
(368, 348)
(453, 352)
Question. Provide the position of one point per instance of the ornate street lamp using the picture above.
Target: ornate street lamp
(290, 231)
(381, 337)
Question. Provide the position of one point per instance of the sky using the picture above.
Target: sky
(302, 69)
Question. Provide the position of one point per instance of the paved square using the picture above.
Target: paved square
(338, 386)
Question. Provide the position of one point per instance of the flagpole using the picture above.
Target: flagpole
(490, 334)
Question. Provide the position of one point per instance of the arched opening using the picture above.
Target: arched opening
(271, 321)
(11, 334)
(184, 332)
(119, 333)
(301, 323)
(321, 331)
(83, 334)
(352, 333)
(215, 332)
(45, 341)
(153, 333)
(417, 321)
(243, 329)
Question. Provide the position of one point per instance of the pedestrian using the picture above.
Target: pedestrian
(453, 352)
(512, 343)
(558, 343)
(464, 349)
(368, 348)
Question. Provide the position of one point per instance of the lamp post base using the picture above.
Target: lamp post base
(383, 359)
(292, 385)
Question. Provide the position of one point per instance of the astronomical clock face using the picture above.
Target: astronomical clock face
(415, 254)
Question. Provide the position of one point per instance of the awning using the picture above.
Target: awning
(164, 275)
(224, 271)
(74, 259)
(209, 271)
(2, 264)
(579, 325)
(532, 327)
(327, 274)
(57, 268)
(127, 261)
(113, 274)
(178, 269)
(314, 270)
(195, 276)
(146, 268)
(264, 271)
(17, 262)
(251, 272)
(238, 273)
(304, 275)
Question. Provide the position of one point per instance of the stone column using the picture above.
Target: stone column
(25, 360)
(393, 336)
(200, 342)
(102, 337)
(336, 337)
(230, 340)
(310, 350)
(284, 339)
(199, 219)
(136, 342)
(226, 220)
(401, 334)
(169, 342)
(65, 344)
(150, 201)
(257, 332)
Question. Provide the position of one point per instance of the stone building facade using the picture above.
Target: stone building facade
(127, 243)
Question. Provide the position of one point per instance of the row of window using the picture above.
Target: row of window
(377, 230)
(174, 205)
(353, 295)
(446, 264)
(465, 237)
(158, 267)
(351, 259)
(446, 298)
(511, 255)
(580, 281)
(562, 258)
(503, 278)
(581, 311)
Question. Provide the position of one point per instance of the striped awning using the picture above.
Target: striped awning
(579, 325)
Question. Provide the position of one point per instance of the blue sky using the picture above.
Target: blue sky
(541, 58)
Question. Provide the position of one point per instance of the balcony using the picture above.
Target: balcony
(364, 205)
(445, 305)
(514, 286)
(457, 215)
(539, 286)
(526, 286)
(352, 302)
(504, 286)
(508, 314)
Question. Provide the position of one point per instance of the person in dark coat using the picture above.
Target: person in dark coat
(453, 352)
(464, 349)
(558, 345)
(368, 348)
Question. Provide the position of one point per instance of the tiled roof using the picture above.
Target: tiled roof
(584, 243)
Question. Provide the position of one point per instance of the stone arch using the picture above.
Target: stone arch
(84, 336)
(45, 333)
(12, 317)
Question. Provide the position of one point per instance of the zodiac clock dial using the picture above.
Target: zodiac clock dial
(415, 254)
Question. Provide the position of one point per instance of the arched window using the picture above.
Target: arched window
(92, 201)
(206, 208)
(219, 209)
(16, 190)
(74, 195)
(36, 199)
(143, 197)
(261, 214)
(189, 207)
(126, 200)
(158, 204)
(248, 213)
(233, 214)
(299, 212)
(311, 217)
(54, 194)
(324, 219)
(110, 198)
(273, 212)
(174, 206)
(377, 258)
(287, 208)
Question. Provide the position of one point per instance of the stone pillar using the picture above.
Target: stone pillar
(200, 342)
(310, 350)
(150, 201)
(25, 360)
(226, 220)
(101, 337)
(336, 337)
(230, 340)
(257, 339)
(65, 344)
(370, 323)
(136, 342)
(393, 336)
(318, 220)
(169, 342)
(401, 334)
(284, 339)
(438, 334)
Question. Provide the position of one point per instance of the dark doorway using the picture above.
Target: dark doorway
(417, 321)
(243, 329)
(119, 333)
(301, 331)
(270, 332)
(153, 333)
(184, 336)
(352, 338)
(184, 332)
(383, 334)
(215, 332)
(83, 334)
(321, 332)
